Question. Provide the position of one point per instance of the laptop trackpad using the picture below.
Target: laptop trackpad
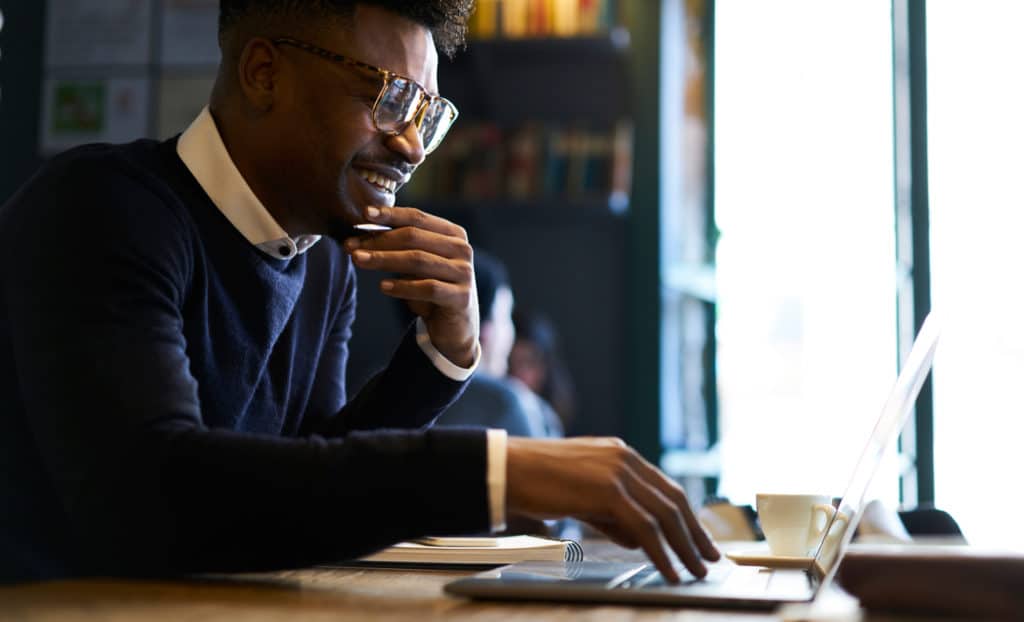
(605, 574)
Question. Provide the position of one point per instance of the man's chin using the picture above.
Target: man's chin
(340, 229)
(341, 226)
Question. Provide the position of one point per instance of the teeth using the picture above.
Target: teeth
(379, 180)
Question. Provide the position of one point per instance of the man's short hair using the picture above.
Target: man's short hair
(446, 19)
(491, 275)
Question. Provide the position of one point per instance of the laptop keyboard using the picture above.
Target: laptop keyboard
(650, 577)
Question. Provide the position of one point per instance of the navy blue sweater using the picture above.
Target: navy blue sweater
(174, 399)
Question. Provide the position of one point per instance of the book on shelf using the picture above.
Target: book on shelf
(533, 161)
(473, 551)
(522, 162)
(514, 19)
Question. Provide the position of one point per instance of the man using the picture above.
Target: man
(536, 361)
(491, 398)
(174, 334)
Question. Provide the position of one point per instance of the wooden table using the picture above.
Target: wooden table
(314, 594)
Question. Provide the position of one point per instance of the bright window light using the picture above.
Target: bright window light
(806, 257)
(975, 142)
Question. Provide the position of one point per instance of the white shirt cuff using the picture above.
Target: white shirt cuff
(442, 364)
(497, 452)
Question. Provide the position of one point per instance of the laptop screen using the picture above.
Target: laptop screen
(897, 409)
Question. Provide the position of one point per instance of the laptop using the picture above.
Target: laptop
(727, 583)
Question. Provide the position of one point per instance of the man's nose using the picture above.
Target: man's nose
(409, 144)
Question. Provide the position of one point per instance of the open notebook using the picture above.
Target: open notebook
(476, 551)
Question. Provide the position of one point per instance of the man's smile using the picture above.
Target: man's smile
(383, 179)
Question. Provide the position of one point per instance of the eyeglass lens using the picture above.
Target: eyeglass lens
(400, 103)
(436, 121)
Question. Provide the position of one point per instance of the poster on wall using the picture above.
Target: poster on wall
(87, 110)
(188, 34)
(91, 33)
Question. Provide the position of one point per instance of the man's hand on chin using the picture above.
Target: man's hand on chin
(435, 263)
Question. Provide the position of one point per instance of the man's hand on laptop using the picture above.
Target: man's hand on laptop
(607, 484)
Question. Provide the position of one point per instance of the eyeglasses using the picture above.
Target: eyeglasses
(401, 100)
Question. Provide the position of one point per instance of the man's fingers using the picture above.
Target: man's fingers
(698, 534)
(677, 496)
(429, 290)
(416, 264)
(412, 217)
(643, 527)
(404, 238)
(670, 520)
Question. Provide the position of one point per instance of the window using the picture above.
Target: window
(975, 138)
(805, 262)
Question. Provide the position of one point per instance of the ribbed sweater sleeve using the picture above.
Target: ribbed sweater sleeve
(94, 288)
(409, 393)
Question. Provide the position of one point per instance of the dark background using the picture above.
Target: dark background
(21, 71)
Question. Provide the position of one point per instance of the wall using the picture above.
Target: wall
(21, 43)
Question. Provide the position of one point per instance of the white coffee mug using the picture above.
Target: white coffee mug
(793, 524)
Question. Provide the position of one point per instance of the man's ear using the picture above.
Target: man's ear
(259, 67)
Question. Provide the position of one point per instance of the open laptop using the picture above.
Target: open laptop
(727, 584)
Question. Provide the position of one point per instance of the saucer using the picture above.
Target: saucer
(762, 558)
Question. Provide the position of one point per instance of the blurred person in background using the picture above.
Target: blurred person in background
(536, 361)
(493, 399)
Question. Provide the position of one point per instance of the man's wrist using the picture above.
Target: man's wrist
(462, 355)
(438, 358)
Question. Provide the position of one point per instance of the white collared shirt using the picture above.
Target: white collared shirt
(203, 151)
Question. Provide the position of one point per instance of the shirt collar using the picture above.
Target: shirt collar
(203, 152)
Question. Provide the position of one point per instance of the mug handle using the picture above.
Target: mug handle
(815, 532)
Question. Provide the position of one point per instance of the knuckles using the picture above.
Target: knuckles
(418, 216)
(614, 441)
(464, 270)
(406, 236)
(433, 289)
(464, 251)
(671, 514)
(462, 299)
(419, 261)
(624, 455)
(612, 489)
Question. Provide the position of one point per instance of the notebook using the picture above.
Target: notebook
(475, 552)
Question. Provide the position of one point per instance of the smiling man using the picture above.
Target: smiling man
(176, 320)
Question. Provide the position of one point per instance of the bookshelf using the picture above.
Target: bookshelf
(530, 166)
(541, 119)
(558, 79)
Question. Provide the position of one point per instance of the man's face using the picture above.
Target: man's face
(332, 159)
(498, 333)
(526, 362)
